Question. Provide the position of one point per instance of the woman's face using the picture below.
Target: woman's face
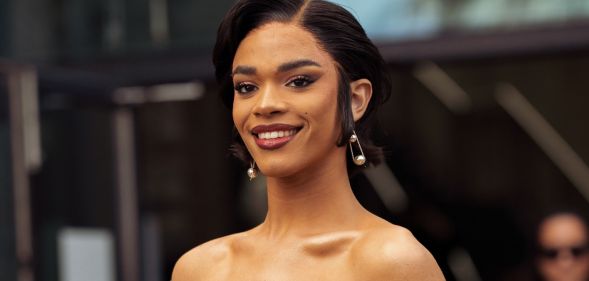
(565, 257)
(285, 100)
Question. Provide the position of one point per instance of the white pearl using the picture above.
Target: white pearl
(251, 173)
(359, 160)
(353, 138)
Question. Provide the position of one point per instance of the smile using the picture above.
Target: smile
(274, 136)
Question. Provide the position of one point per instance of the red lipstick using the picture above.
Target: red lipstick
(274, 136)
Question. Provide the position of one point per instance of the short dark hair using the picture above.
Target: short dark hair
(338, 33)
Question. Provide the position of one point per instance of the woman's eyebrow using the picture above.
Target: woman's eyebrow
(287, 66)
(245, 70)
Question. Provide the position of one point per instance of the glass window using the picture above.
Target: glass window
(406, 19)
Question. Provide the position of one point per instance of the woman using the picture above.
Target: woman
(304, 81)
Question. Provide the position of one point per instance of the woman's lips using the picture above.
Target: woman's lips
(274, 136)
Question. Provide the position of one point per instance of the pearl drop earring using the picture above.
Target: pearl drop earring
(251, 172)
(358, 159)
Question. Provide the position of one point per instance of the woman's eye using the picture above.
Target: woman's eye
(299, 82)
(244, 88)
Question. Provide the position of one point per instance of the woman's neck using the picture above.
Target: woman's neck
(317, 201)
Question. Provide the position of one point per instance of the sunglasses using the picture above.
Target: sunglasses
(574, 251)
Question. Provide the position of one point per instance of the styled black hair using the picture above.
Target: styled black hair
(338, 33)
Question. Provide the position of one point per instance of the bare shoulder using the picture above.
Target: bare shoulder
(199, 262)
(391, 252)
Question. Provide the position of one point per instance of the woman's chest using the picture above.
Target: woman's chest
(288, 264)
(290, 267)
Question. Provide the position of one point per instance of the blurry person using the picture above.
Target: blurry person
(562, 248)
(303, 82)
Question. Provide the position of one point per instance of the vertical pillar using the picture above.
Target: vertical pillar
(126, 190)
(25, 158)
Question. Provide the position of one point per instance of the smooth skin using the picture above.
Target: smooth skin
(315, 228)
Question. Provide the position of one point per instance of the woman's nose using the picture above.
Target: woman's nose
(269, 102)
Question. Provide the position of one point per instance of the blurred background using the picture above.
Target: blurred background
(113, 141)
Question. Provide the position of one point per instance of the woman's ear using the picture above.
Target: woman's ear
(361, 91)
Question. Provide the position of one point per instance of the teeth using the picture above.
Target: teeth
(276, 134)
